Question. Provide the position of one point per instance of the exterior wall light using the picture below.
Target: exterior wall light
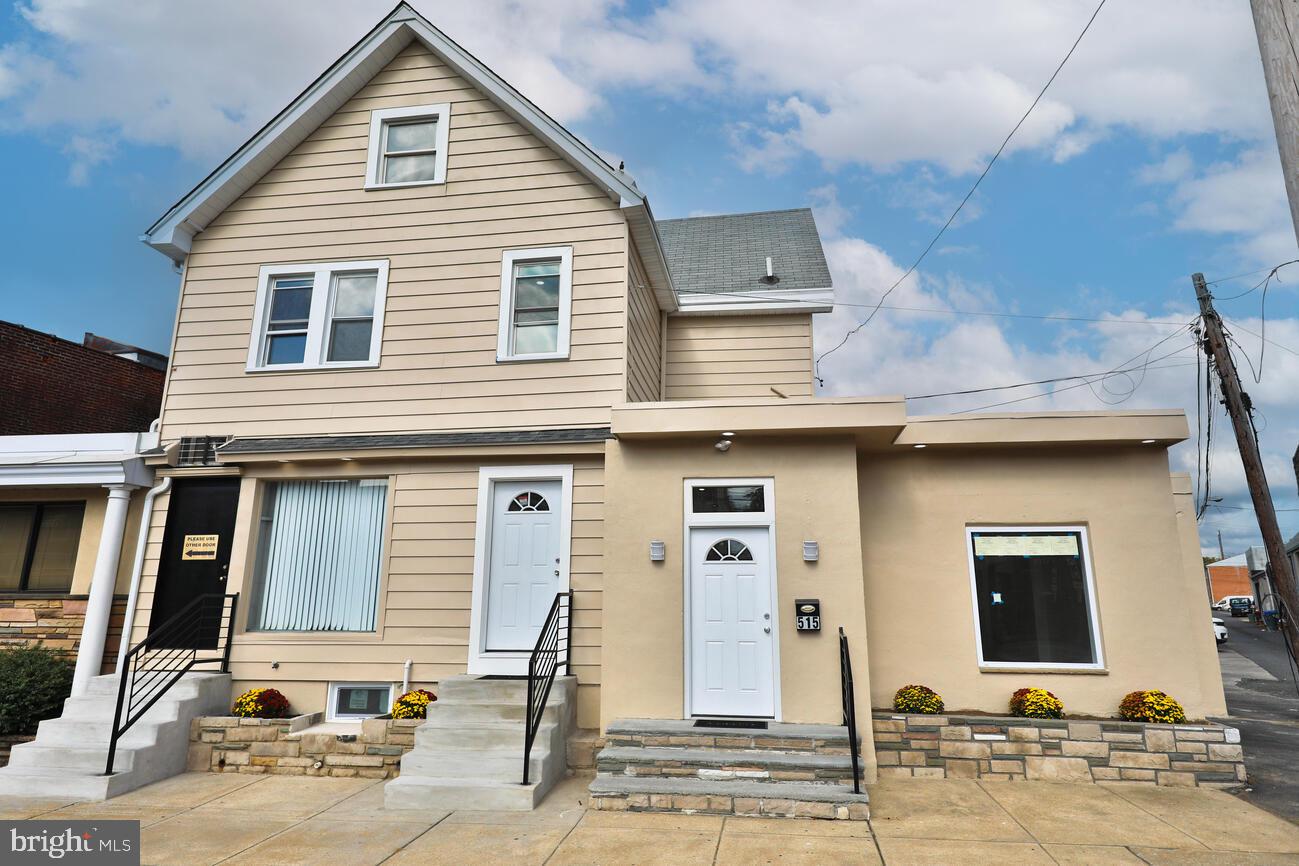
(811, 551)
(1147, 441)
(658, 551)
(920, 446)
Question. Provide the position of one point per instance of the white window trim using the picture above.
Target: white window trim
(331, 701)
(1092, 613)
(505, 324)
(480, 661)
(379, 116)
(322, 274)
(763, 519)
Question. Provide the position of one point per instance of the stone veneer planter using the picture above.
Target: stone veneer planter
(1060, 750)
(231, 744)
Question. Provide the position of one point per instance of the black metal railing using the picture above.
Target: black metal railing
(550, 652)
(199, 634)
(849, 708)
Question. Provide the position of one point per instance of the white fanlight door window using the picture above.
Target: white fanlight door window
(520, 563)
(732, 640)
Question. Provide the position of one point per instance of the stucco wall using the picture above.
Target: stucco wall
(815, 499)
(1153, 618)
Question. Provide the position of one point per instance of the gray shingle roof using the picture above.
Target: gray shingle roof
(728, 253)
(415, 440)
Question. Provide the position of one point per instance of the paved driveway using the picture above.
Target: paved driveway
(202, 818)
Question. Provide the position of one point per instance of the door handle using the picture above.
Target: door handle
(767, 629)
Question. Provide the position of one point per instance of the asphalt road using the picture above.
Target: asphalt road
(1263, 701)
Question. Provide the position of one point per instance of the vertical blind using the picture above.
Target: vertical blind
(319, 555)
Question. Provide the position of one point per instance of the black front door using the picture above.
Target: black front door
(195, 556)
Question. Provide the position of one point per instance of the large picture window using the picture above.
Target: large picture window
(319, 552)
(1034, 597)
(38, 545)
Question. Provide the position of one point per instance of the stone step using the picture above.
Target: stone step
(778, 736)
(446, 713)
(57, 784)
(725, 765)
(483, 737)
(65, 731)
(769, 799)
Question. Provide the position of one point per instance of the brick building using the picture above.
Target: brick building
(102, 386)
(1230, 577)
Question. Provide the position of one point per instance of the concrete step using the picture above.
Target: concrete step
(778, 736)
(751, 765)
(418, 792)
(691, 795)
(86, 760)
(501, 766)
(67, 757)
(468, 754)
(481, 689)
(449, 713)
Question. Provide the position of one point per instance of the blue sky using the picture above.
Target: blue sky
(1152, 157)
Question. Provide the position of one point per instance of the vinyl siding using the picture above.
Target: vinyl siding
(738, 356)
(644, 337)
(425, 590)
(438, 370)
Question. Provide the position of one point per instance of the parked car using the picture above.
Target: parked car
(1241, 605)
(1219, 630)
(1224, 603)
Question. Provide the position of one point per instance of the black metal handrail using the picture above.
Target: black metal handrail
(156, 663)
(849, 707)
(552, 643)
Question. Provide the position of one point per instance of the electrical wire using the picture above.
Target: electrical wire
(1282, 346)
(991, 162)
(1119, 370)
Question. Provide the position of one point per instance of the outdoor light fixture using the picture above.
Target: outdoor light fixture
(811, 551)
(920, 446)
(1147, 441)
(729, 435)
(723, 446)
(658, 551)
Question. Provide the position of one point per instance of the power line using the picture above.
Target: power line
(1121, 369)
(1237, 325)
(968, 195)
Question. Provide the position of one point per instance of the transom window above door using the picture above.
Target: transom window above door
(729, 550)
(536, 295)
(408, 146)
(529, 501)
(318, 316)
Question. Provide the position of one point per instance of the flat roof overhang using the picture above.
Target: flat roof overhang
(1154, 427)
(872, 421)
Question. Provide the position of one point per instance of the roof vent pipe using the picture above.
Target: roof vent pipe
(770, 279)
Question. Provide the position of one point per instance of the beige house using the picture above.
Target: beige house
(437, 363)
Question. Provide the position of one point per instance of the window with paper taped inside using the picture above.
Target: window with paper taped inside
(1033, 594)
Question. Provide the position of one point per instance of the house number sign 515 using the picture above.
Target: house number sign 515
(807, 614)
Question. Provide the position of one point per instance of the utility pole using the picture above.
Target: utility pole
(1276, 23)
(1238, 406)
(1222, 554)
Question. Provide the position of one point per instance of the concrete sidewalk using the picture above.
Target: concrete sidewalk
(202, 818)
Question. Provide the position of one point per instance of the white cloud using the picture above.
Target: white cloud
(913, 354)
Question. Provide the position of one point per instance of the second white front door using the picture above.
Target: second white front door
(523, 562)
(732, 645)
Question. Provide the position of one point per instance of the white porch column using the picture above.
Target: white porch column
(99, 607)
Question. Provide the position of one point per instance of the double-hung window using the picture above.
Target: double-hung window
(319, 552)
(536, 296)
(38, 545)
(1034, 597)
(408, 146)
(318, 316)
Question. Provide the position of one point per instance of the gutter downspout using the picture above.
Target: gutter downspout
(137, 567)
(405, 676)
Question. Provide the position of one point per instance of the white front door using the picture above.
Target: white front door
(732, 648)
(523, 562)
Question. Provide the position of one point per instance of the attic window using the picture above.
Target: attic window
(408, 146)
(536, 293)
